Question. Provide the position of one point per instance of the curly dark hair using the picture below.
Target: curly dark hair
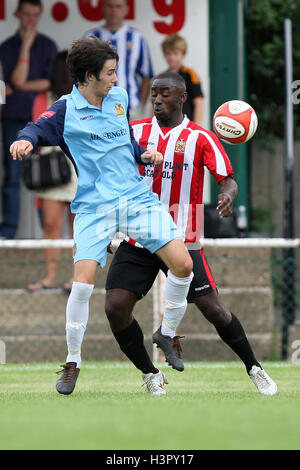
(61, 80)
(89, 55)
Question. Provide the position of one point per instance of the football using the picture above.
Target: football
(235, 122)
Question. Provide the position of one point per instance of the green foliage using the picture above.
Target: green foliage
(261, 221)
(266, 63)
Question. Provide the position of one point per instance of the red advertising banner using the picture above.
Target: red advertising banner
(87, 8)
(173, 11)
(176, 8)
(93, 12)
(2, 9)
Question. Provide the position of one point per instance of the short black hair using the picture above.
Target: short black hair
(89, 55)
(36, 3)
(172, 77)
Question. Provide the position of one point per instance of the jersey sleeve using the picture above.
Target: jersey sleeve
(138, 150)
(48, 129)
(214, 156)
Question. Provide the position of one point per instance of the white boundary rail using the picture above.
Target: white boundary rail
(159, 285)
(220, 242)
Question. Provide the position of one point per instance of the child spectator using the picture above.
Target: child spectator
(174, 49)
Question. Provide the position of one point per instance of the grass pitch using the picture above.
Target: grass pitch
(208, 406)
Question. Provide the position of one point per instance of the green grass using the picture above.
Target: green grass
(208, 406)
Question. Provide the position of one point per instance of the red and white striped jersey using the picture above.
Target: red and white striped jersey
(178, 181)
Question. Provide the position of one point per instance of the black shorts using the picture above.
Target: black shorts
(135, 269)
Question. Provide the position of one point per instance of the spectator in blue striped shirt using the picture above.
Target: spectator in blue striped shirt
(135, 67)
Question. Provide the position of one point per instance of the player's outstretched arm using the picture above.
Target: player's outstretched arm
(20, 148)
(229, 191)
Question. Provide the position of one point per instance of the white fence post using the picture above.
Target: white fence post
(158, 308)
(2, 352)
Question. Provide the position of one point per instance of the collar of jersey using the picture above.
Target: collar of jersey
(164, 136)
(80, 101)
(118, 32)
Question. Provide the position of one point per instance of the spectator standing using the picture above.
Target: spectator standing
(54, 201)
(27, 59)
(175, 48)
(135, 67)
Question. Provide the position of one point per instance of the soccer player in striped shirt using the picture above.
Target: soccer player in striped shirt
(134, 67)
(187, 149)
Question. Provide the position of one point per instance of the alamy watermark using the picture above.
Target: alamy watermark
(149, 223)
(2, 92)
(295, 357)
(296, 93)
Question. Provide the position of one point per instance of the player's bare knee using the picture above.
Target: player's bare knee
(119, 319)
(113, 310)
(183, 268)
(116, 309)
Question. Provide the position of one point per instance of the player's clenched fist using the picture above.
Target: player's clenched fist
(152, 156)
(20, 148)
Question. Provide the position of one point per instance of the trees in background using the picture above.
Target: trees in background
(266, 64)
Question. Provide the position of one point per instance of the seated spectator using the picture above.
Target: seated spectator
(174, 49)
(53, 202)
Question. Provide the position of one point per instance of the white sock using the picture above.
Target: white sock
(176, 291)
(77, 315)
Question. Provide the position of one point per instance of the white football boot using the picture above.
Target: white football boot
(264, 383)
(155, 383)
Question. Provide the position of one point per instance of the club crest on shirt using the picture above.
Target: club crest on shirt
(180, 146)
(119, 110)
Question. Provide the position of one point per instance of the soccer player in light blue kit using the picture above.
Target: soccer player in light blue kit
(91, 127)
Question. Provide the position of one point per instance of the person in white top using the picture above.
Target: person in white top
(135, 67)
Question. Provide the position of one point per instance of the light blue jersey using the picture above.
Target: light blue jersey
(111, 196)
(98, 142)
